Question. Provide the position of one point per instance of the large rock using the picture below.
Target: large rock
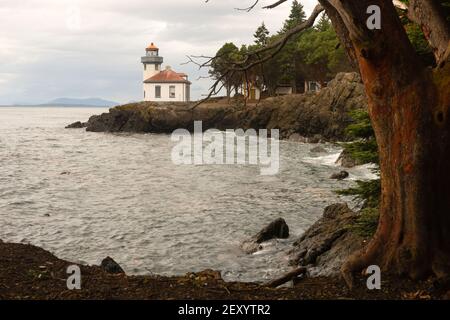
(346, 160)
(340, 175)
(109, 265)
(297, 138)
(325, 246)
(276, 229)
(77, 125)
(316, 116)
(318, 149)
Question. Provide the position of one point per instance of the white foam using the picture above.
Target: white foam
(363, 172)
(328, 160)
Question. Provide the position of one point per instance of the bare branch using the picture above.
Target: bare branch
(274, 5)
(248, 9)
(203, 77)
(280, 43)
(397, 3)
(215, 89)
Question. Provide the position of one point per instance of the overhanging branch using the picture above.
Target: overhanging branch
(269, 51)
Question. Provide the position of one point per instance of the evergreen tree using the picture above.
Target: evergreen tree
(364, 150)
(296, 16)
(227, 55)
(324, 23)
(311, 55)
(261, 35)
(289, 61)
(320, 52)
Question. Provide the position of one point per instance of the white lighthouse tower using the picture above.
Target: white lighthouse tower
(163, 85)
(152, 61)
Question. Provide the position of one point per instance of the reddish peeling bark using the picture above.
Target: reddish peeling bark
(430, 16)
(409, 108)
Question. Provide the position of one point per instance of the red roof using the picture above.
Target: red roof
(152, 47)
(167, 76)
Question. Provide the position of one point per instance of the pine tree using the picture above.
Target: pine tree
(296, 16)
(261, 35)
(228, 54)
(324, 23)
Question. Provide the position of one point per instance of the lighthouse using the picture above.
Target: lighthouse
(163, 85)
(152, 61)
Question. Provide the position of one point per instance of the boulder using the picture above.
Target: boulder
(333, 211)
(346, 160)
(76, 125)
(317, 138)
(109, 265)
(276, 229)
(318, 149)
(297, 138)
(340, 175)
(327, 244)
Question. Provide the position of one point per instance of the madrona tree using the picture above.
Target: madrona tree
(409, 110)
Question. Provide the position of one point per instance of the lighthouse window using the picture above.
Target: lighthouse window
(158, 92)
(172, 91)
(156, 67)
(145, 67)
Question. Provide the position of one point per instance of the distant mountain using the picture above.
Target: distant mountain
(96, 102)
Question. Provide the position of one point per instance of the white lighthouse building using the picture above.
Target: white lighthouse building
(163, 85)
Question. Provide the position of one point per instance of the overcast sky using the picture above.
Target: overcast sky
(92, 48)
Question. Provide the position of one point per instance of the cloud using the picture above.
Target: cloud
(84, 48)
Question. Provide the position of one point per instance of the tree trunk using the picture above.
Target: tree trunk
(430, 16)
(413, 133)
(409, 109)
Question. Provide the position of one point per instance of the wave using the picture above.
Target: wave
(361, 172)
(327, 160)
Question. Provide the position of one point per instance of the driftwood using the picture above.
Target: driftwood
(285, 278)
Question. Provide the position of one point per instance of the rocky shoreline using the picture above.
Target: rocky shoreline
(323, 248)
(31, 273)
(311, 117)
(28, 272)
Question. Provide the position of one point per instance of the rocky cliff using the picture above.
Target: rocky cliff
(328, 243)
(321, 115)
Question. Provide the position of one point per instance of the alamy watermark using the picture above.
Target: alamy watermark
(228, 147)
(374, 20)
(74, 280)
(374, 280)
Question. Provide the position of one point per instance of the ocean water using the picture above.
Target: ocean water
(84, 196)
